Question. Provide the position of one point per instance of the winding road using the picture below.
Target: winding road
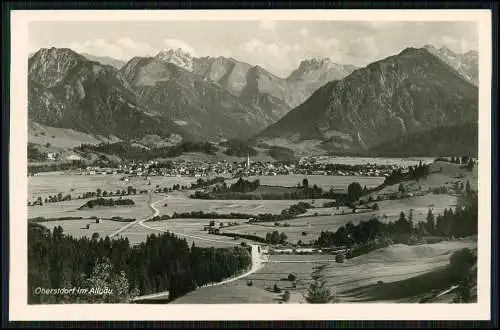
(152, 207)
(257, 260)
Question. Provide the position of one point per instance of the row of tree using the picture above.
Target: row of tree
(34, 153)
(160, 263)
(416, 172)
(127, 150)
(73, 165)
(107, 202)
(276, 237)
(460, 222)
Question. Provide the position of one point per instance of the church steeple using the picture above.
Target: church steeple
(248, 159)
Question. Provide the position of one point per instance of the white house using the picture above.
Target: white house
(51, 156)
(73, 157)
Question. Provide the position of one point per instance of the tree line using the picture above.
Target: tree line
(373, 234)
(129, 151)
(235, 147)
(415, 172)
(161, 263)
(107, 202)
(34, 154)
(240, 191)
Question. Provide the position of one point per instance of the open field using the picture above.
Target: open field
(51, 183)
(180, 202)
(294, 233)
(230, 293)
(77, 228)
(450, 173)
(313, 225)
(407, 272)
(70, 209)
(325, 182)
(137, 234)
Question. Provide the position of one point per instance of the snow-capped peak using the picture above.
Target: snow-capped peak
(178, 57)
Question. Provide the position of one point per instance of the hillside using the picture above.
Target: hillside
(67, 90)
(202, 107)
(456, 140)
(405, 93)
(466, 64)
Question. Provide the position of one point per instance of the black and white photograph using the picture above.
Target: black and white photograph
(289, 160)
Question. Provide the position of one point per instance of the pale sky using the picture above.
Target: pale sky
(278, 46)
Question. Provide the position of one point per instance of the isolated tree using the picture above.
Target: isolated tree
(401, 188)
(103, 277)
(305, 183)
(318, 293)
(430, 224)
(468, 189)
(286, 296)
(283, 238)
(354, 191)
(99, 192)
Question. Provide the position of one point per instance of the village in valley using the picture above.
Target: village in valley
(165, 177)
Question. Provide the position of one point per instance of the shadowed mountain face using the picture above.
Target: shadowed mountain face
(455, 140)
(67, 90)
(466, 64)
(408, 92)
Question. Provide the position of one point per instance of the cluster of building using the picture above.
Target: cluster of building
(234, 169)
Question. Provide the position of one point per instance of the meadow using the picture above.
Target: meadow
(70, 209)
(78, 228)
(326, 182)
(192, 231)
(179, 201)
(312, 225)
(398, 273)
(52, 183)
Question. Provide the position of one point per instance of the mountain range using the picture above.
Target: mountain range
(405, 93)
(67, 90)
(323, 104)
(206, 97)
(466, 64)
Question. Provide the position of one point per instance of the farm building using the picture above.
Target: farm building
(73, 157)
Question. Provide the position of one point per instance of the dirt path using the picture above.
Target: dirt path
(257, 260)
(153, 209)
(257, 263)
